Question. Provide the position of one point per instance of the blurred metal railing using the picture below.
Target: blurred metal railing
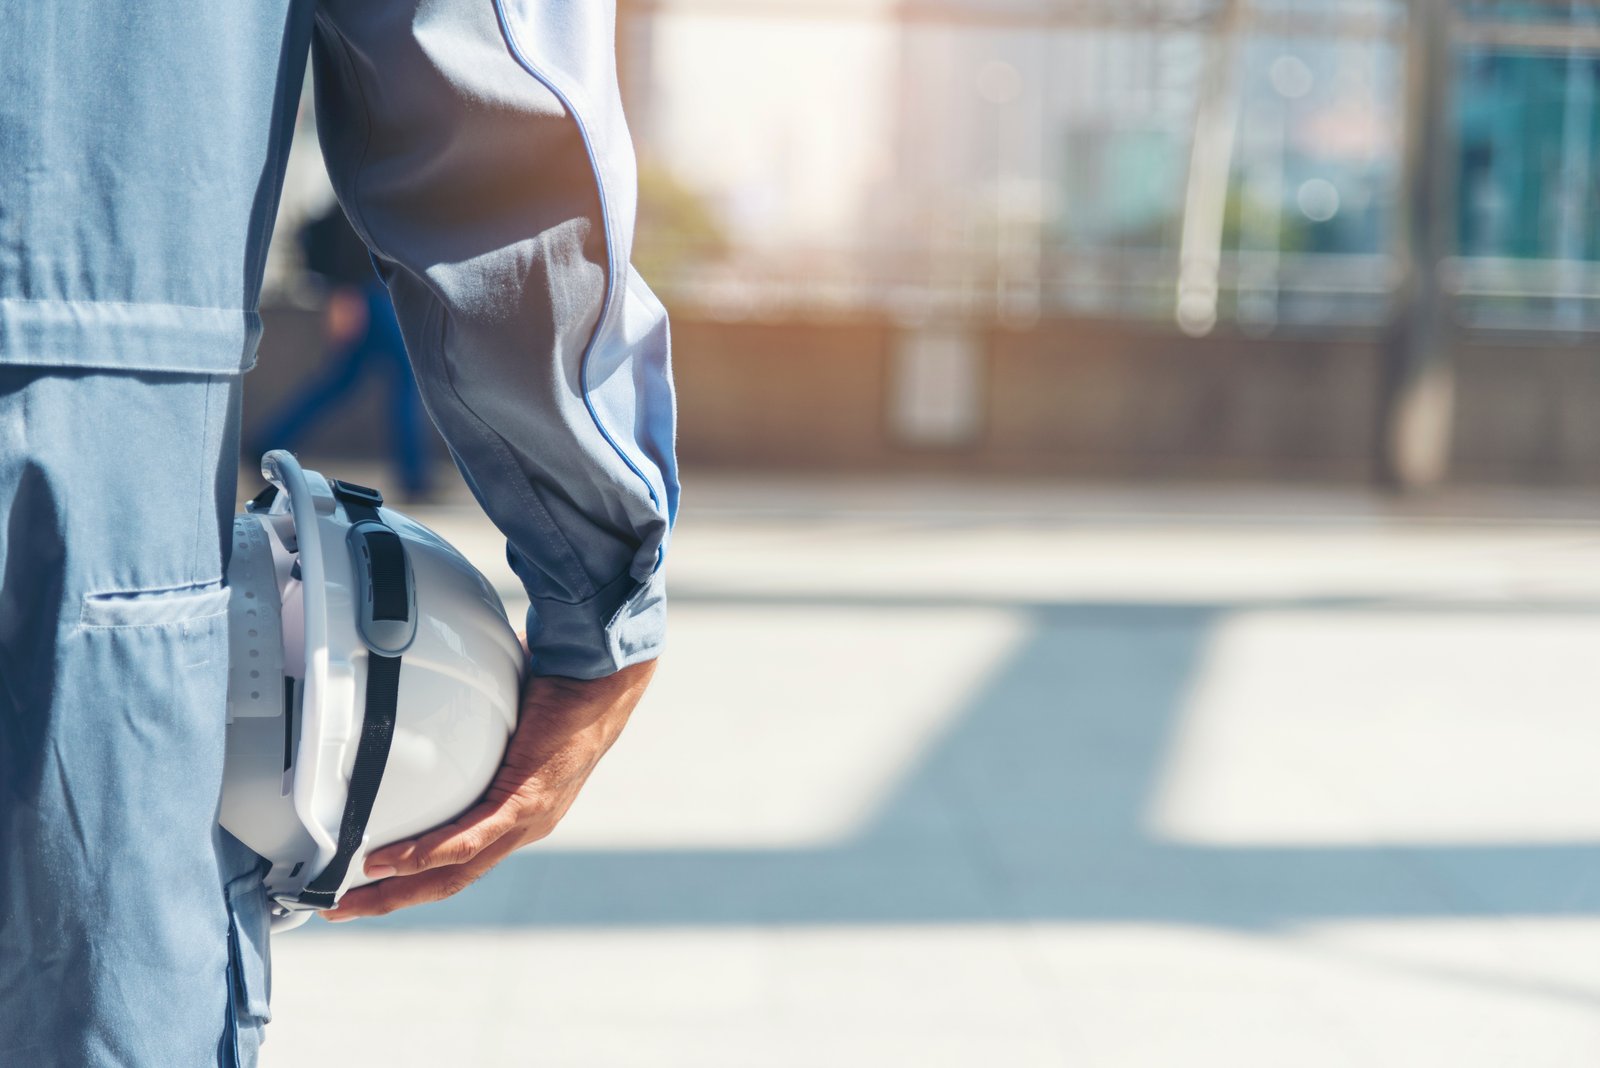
(1345, 292)
(1359, 19)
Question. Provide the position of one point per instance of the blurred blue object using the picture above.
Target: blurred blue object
(377, 349)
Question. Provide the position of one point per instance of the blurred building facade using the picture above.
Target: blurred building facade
(1346, 239)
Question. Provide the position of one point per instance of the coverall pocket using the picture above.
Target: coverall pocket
(154, 608)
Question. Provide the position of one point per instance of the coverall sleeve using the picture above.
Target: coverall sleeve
(479, 148)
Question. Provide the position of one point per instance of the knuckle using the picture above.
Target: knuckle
(453, 851)
(457, 883)
(532, 816)
(479, 840)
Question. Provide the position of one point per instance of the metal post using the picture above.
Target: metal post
(1417, 403)
(1210, 164)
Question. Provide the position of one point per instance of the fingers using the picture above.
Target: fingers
(566, 725)
(453, 844)
(382, 898)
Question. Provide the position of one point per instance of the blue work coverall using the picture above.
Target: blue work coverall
(479, 148)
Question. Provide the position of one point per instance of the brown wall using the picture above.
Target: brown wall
(1112, 399)
(1529, 414)
(1080, 397)
(782, 395)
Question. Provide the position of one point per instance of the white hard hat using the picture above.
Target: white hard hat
(372, 684)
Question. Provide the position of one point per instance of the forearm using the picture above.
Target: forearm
(495, 187)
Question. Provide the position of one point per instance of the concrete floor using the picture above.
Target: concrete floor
(977, 775)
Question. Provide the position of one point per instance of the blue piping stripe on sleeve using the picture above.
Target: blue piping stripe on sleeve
(612, 274)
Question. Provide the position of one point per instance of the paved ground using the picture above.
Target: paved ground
(1011, 776)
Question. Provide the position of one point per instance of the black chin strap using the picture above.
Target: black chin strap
(372, 755)
(388, 575)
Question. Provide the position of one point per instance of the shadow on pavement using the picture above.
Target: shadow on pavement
(1031, 808)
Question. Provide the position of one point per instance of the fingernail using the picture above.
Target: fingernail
(379, 871)
(334, 917)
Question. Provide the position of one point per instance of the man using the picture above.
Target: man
(479, 149)
(364, 341)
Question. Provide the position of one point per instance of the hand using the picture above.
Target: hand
(565, 727)
(345, 317)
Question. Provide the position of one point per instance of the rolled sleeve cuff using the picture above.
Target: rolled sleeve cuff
(625, 623)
